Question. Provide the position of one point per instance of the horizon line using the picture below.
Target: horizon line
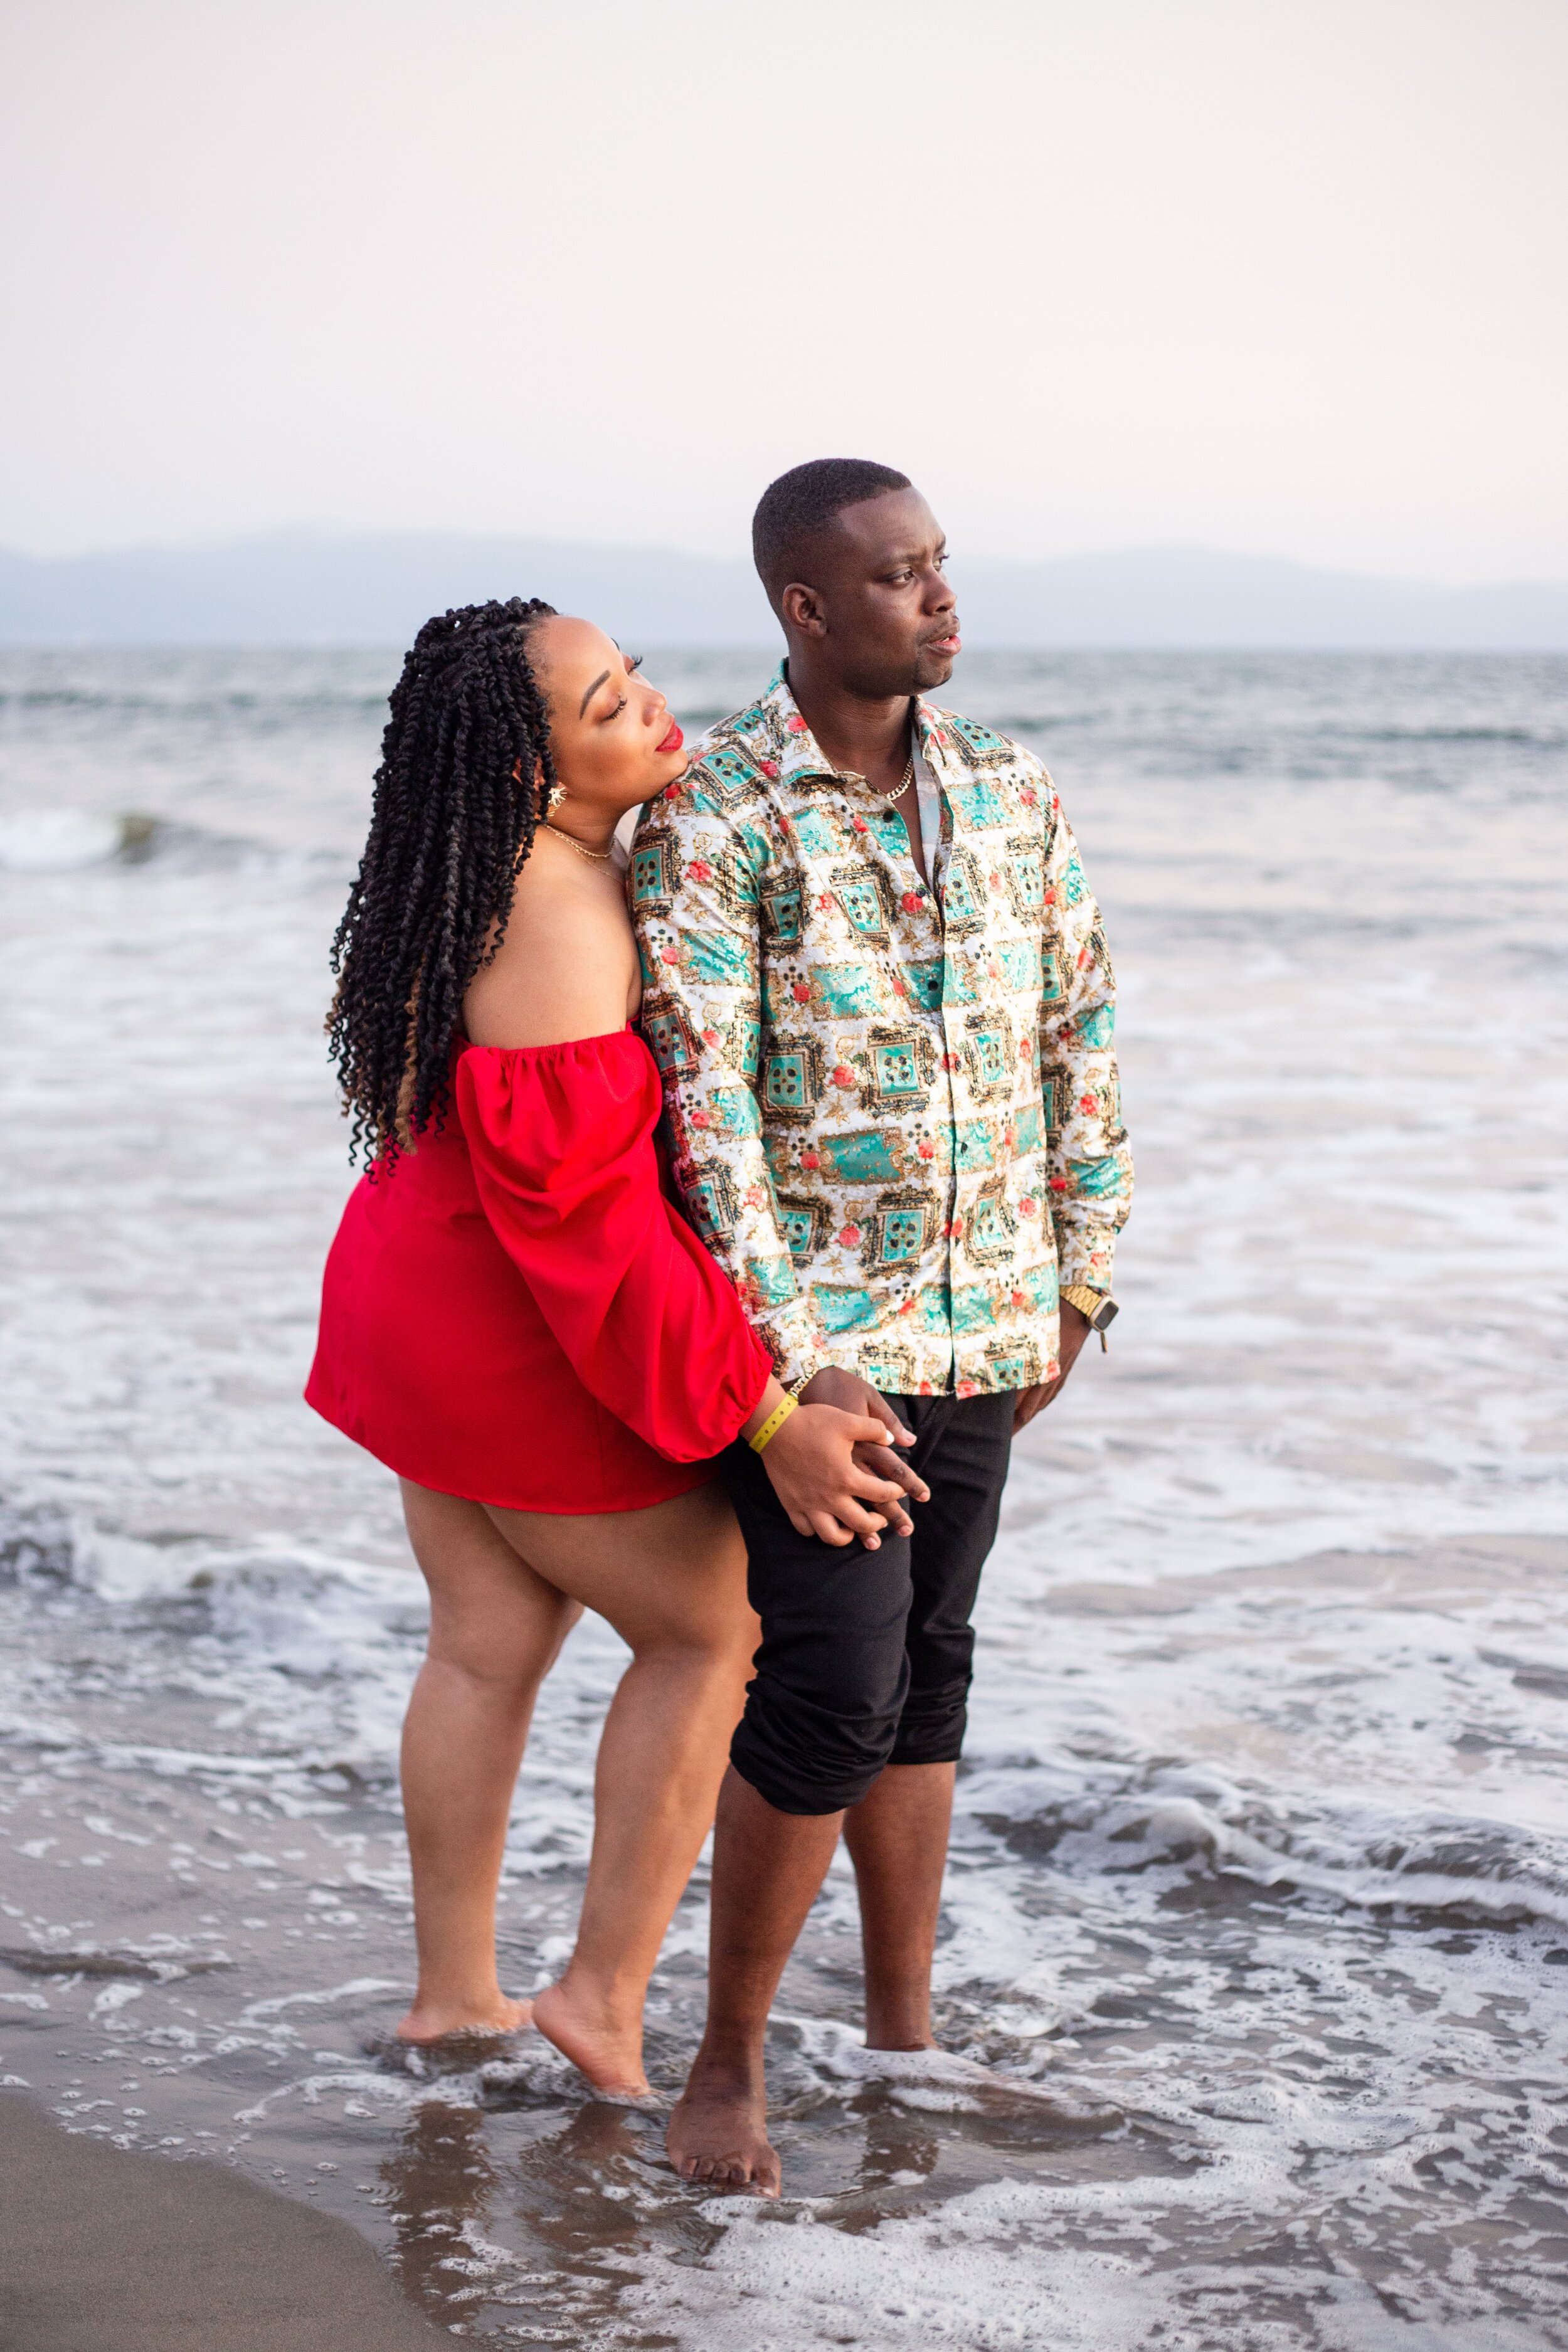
(340, 535)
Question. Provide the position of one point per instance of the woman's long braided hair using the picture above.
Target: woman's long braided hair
(465, 772)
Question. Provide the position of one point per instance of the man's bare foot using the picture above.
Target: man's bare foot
(719, 2132)
(609, 2054)
(427, 2021)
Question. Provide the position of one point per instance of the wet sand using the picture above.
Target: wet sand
(106, 2250)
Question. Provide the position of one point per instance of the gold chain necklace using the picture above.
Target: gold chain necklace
(600, 856)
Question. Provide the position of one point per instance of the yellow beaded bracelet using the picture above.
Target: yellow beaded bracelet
(773, 1423)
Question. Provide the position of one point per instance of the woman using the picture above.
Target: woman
(517, 1321)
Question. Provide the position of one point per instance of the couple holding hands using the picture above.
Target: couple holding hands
(727, 1212)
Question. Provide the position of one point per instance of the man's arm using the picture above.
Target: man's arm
(1089, 1168)
(695, 911)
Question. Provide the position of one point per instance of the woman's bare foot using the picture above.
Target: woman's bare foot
(428, 2020)
(719, 2132)
(608, 2053)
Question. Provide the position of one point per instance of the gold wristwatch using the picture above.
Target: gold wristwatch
(1097, 1307)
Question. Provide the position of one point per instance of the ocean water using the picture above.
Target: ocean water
(1253, 1969)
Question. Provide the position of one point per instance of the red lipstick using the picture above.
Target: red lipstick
(673, 741)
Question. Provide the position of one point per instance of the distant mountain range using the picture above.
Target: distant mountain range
(298, 588)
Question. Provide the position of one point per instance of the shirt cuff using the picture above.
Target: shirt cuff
(795, 1345)
(1083, 1258)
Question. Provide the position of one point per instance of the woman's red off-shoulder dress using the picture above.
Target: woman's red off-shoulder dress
(518, 1314)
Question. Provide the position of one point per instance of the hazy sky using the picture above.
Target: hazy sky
(1277, 275)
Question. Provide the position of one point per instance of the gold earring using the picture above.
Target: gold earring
(556, 794)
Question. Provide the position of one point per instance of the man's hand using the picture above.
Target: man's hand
(1075, 1331)
(850, 1393)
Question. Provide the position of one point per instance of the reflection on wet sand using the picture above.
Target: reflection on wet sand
(440, 2186)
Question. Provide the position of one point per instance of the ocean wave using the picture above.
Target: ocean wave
(1173, 1822)
(314, 1650)
(322, 1645)
(241, 702)
(61, 840)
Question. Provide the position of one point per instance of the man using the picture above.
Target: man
(879, 993)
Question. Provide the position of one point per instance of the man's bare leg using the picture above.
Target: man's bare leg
(767, 1869)
(897, 1838)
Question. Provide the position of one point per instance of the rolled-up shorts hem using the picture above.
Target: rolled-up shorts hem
(935, 1751)
(788, 1797)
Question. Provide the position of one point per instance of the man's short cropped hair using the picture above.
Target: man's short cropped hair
(801, 502)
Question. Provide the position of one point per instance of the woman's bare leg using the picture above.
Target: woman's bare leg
(496, 1628)
(672, 1582)
(506, 1586)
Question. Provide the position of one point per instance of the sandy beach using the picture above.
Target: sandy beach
(106, 2251)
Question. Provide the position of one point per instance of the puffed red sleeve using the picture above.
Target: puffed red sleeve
(561, 1138)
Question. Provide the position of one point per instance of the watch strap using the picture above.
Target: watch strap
(1091, 1304)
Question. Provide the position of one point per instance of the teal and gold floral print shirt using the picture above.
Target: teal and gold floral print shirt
(894, 1115)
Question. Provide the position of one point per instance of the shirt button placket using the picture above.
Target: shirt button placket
(949, 1069)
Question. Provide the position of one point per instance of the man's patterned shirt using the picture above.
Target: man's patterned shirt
(894, 1117)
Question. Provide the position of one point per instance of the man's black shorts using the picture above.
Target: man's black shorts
(866, 1655)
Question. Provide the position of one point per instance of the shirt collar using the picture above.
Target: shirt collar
(799, 754)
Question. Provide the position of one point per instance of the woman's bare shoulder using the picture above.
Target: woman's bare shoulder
(567, 967)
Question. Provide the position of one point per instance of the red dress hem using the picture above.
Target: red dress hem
(672, 1481)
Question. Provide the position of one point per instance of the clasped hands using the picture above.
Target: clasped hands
(835, 1464)
(838, 1465)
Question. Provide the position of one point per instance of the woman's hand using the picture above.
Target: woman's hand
(831, 1462)
(812, 1461)
(850, 1393)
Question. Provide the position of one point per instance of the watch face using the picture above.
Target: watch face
(1105, 1313)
